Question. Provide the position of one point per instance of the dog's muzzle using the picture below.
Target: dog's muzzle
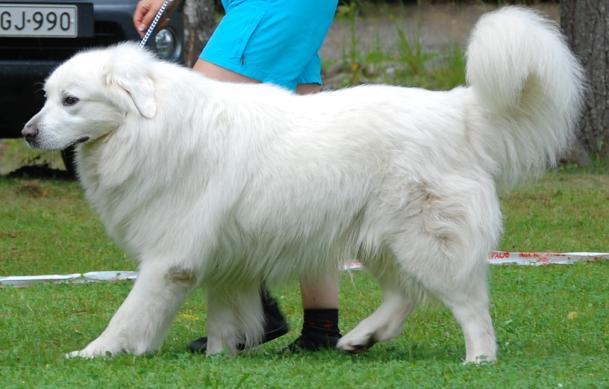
(30, 132)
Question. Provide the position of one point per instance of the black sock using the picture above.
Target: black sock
(321, 321)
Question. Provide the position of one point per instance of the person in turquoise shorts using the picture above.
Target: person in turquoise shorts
(272, 41)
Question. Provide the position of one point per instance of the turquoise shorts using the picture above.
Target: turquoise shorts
(275, 41)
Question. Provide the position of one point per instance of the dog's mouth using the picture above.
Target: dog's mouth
(80, 140)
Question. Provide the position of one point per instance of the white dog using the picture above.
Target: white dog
(228, 185)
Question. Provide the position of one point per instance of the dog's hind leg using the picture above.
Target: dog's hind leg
(441, 243)
(385, 322)
(464, 292)
(447, 257)
(141, 323)
(470, 306)
(445, 246)
(234, 319)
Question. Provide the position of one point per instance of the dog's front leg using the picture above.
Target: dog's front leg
(141, 323)
(234, 318)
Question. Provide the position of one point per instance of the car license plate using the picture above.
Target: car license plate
(38, 20)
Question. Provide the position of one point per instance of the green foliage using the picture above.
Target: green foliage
(413, 58)
(408, 64)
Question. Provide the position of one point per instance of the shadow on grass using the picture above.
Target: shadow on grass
(41, 172)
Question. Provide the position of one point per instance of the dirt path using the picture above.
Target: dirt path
(437, 26)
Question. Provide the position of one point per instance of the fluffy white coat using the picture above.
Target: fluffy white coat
(228, 185)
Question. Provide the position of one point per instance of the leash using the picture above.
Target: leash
(155, 21)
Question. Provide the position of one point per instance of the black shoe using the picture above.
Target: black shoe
(275, 325)
(314, 341)
(199, 346)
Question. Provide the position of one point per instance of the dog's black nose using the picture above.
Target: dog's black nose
(30, 131)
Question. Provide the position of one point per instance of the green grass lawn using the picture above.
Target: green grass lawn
(552, 322)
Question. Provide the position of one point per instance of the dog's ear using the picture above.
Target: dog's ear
(129, 71)
(141, 92)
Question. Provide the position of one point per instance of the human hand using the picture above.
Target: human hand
(146, 11)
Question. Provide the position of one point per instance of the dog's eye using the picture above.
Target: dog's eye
(69, 100)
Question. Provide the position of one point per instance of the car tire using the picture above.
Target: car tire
(69, 160)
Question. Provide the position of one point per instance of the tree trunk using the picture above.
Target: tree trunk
(586, 24)
(199, 23)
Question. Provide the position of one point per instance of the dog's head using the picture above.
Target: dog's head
(91, 95)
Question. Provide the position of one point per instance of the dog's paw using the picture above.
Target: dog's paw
(85, 354)
(74, 355)
(356, 343)
(480, 360)
(96, 349)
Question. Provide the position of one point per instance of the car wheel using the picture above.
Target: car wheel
(69, 160)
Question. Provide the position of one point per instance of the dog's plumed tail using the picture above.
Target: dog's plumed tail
(529, 85)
